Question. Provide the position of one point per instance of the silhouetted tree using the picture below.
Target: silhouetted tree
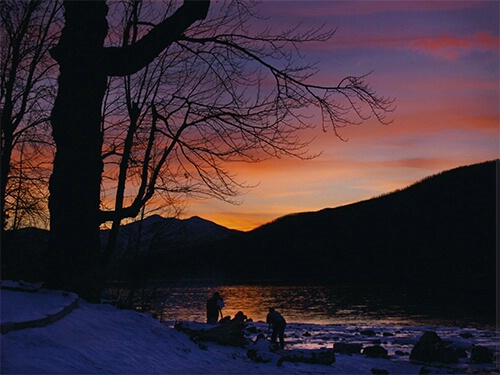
(217, 94)
(26, 194)
(27, 74)
(130, 116)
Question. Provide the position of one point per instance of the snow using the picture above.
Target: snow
(99, 338)
(35, 305)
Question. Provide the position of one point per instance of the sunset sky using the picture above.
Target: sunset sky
(438, 59)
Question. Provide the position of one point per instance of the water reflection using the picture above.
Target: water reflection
(340, 304)
(304, 304)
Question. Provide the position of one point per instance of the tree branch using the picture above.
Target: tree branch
(126, 60)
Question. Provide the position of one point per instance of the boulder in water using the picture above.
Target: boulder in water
(431, 348)
(375, 351)
(481, 354)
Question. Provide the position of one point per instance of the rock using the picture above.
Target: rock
(264, 351)
(430, 348)
(387, 334)
(306, 334)
(461, 353)
(481, 354)
(375, 351)
(466, 335)
(321, 357)
(252, 329)
(261, 350)
(379, 371)
(448, 355)
(230, 333)
(401, 353)
(368, 332)
(347, 348)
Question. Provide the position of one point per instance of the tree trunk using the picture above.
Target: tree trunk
(74, 245)
(74, 250)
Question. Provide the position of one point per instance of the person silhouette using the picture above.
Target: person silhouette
(214, 307)
(276, 320)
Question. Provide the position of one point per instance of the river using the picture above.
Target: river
(341, 304)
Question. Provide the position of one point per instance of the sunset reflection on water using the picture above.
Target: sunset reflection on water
(300, 304)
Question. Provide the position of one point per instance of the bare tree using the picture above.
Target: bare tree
(75, 183)
(223, 97)
(127, 123)
(27, 89)
(219, 94)
(26, 195)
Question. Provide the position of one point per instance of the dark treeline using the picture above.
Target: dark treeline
(437, 236)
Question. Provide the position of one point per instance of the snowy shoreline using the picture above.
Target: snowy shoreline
(397, 340)
(99, 338)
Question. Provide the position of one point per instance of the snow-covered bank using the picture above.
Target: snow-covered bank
(95, 339)
(34, 308)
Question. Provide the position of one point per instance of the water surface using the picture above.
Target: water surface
(345, 304)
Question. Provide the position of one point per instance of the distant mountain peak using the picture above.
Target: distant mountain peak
(157, 234)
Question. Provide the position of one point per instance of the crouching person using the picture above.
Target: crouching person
(278, 323)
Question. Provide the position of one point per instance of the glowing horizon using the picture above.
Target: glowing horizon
(439, 60)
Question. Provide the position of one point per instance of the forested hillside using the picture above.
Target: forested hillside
(439, 232)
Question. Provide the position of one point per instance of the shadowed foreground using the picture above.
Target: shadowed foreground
(97, 338)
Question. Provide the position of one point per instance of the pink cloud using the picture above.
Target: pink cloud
(485, 41)
(449, 47)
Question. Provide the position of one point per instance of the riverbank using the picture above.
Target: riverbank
(99, 338)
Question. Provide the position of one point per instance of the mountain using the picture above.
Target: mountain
(156, 232)
(158, 235)
(439, 233)
(23, 249)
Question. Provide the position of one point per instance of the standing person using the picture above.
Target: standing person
(214, 307)
(276, 320)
